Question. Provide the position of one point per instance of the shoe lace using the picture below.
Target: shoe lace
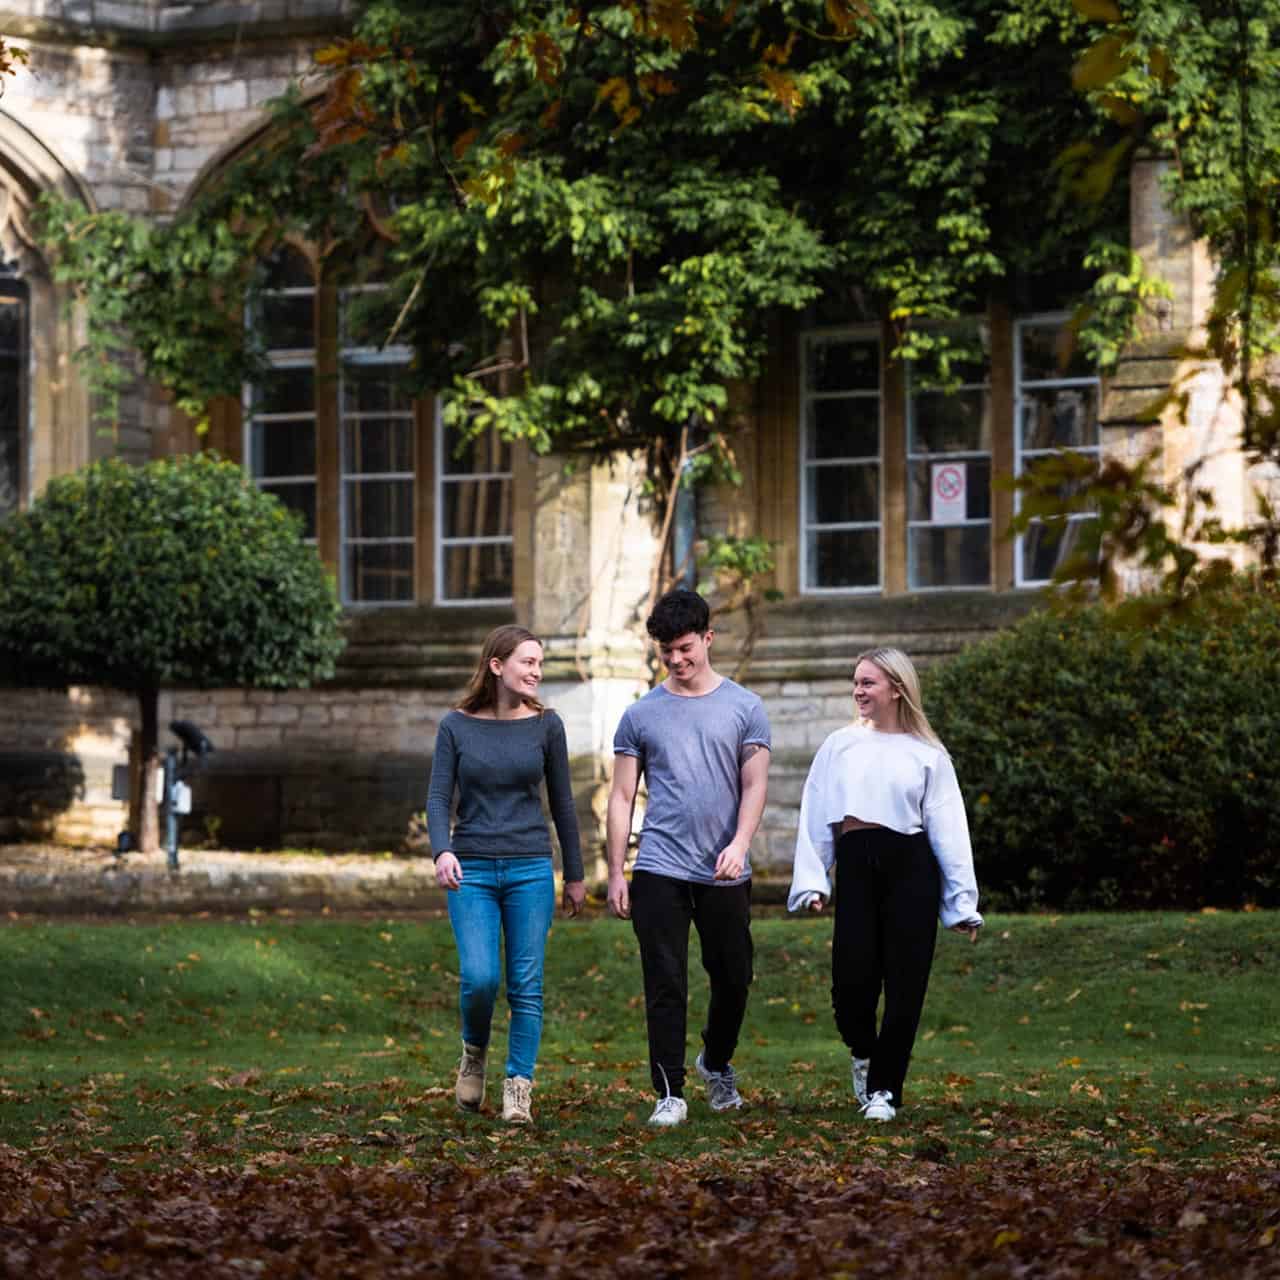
(882, 1096)
(724, 1084)
(522, 1092)
(667, 1106)
(472, 1064)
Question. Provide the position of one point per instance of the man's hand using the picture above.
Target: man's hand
(730, 863)
(448, 870)
(575, 894)
(619, 896)
(970, 929)
(817, 902)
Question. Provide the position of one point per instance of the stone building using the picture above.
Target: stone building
(881, 497)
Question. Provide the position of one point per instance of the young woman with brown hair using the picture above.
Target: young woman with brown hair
(496, 750)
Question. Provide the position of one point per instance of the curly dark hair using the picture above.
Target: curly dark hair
(676, 614)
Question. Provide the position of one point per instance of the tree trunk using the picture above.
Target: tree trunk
(144, 821)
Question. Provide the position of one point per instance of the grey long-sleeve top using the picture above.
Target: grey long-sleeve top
(497, 768)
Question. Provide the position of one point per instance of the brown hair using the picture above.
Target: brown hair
(902, 676)
(482, 688)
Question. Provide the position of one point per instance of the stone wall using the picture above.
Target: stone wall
(59, 757)
(345, 765)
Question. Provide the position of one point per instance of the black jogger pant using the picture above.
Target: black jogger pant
(887, 888)
(662, 909)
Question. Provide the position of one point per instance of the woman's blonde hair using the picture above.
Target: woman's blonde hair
(902, 676)
(482, 688)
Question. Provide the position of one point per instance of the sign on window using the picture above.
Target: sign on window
(948, 493)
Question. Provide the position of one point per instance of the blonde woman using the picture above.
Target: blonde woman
(496, 751)
(883, 805)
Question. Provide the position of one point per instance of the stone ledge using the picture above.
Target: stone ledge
(47, 881)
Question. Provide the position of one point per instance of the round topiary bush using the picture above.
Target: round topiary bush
(1110, 763)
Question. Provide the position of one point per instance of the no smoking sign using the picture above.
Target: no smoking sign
(947, 492)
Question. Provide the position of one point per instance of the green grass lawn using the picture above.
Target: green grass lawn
(272, 1041)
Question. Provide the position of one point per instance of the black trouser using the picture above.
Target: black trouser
(887, 888)
(661, 911)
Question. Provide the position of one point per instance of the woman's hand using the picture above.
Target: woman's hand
(448, 870)
(575, 894)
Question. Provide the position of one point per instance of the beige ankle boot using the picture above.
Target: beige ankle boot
(469, 1090)
(517, 1100)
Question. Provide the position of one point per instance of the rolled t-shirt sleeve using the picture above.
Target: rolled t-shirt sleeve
(756, 732)
(626, 738)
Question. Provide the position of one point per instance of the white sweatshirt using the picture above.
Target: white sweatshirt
(894, 780)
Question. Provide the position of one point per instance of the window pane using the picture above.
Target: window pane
(283, 449)
(844, 364)
(1060, 417)
(956, 423)
(485, 453)
(844, 558)
(950, 556)
(478, 572)
(370, 389)
(286, 322)
(1050, 352)
(1044, 547)
(977, 487)
(477, 508)
(379, 573)
(373, 445)
(286, 390)
(844, 428)
(841, 495)
(300, 498)
(379, 509)
(1063, 490)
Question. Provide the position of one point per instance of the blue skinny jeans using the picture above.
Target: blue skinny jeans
(509, 900)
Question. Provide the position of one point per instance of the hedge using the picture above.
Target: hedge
(1113, 765)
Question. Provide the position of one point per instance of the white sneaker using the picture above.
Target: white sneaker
(669, 1112)
(722, 1087)
(879, 1106)
(859, 1069)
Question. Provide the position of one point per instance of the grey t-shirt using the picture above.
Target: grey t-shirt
(690, 752)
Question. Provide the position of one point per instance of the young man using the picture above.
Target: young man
(702, 743)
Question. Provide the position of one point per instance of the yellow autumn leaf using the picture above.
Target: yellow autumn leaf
(672, 21)
(1101, 63)
(845, 15)
(1097, 10)
(548, 61)
(784, 89)
(617, 93)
